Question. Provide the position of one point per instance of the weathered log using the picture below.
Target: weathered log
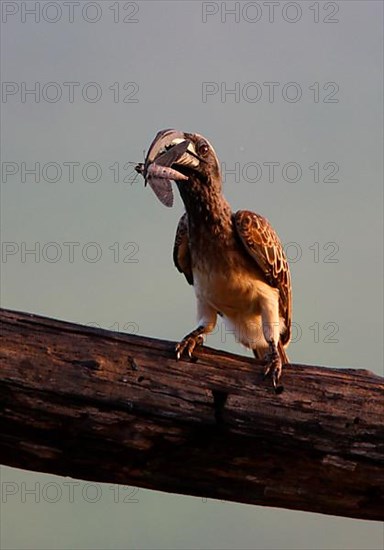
(105, 406)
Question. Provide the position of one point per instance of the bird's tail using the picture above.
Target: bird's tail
(282, 353)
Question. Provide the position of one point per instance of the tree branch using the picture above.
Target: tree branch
(110, 407)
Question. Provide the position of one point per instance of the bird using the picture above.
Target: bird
(234, 260)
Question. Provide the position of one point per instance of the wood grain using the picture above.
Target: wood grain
(110, 407)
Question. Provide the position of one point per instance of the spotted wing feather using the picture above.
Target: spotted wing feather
(264, 246)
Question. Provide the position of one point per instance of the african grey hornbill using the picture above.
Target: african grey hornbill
(235, 261)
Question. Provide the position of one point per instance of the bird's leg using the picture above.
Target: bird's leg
(189, 342)
(207, 320)
(271, 331)
(274, 364)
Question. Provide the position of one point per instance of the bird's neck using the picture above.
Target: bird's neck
(207, 209)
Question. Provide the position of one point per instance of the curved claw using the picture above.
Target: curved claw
(274, 367)
(188, 343)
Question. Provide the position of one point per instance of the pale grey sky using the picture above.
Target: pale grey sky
(292, 103)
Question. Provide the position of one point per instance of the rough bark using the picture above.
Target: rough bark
(110, 407)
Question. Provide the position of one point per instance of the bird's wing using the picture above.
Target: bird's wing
(263, 245)
(181, 253)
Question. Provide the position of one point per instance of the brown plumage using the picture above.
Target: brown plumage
(263, 244)
(235, 261)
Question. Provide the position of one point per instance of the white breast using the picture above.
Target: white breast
(241, 295)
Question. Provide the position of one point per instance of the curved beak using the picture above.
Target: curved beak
(168, 150)
(171, 147)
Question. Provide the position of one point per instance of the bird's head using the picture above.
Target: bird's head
(189, 159)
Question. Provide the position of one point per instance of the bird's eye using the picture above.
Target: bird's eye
(203, 149)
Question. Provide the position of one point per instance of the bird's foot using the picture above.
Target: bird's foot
(189, 342)
(274, 366)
